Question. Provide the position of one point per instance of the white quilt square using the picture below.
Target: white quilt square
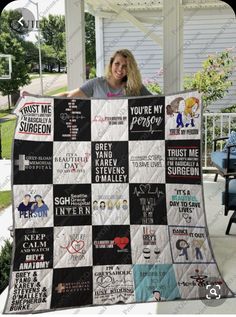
(109, 120)
(110, 204)
(72, 246)
(71, 162)
(147, 161)
(150, 244)
(184, 203)
(33, 206)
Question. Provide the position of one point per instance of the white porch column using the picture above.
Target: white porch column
(173, 45)
(99, 46)
(75, 43)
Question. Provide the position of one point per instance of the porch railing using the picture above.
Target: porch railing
(215, 125)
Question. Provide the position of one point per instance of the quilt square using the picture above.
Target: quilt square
(147, 204)
(34, 286)
(110, 162)
(113, 284)
(110, 204)
(35, 119)
(34, 249)
(147, 161)
(111, 245)
(72, 120)
(71, 162)
(184, 205)
(189, 245)
(109, 120)
(32, 162)
(34, 207)
(197, 280)
(72, 204)
(183, 116)
(72, 287)
(155, 282)
(72, 246)
(146, 118)
(183, 163)
(150, 244)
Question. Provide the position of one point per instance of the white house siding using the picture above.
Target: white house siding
(206, 31)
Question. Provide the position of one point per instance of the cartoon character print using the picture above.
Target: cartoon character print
(191, 107)
(185, 111)
(183, 246)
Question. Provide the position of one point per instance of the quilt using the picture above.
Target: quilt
(108, 203)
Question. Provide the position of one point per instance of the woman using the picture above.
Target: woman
(122, 78)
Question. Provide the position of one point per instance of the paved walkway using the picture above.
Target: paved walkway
(5, 222)
(5, 173)
(50, 82)
(5, 215)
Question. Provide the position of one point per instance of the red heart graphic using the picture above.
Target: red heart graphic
(77, 245)
(121, 242)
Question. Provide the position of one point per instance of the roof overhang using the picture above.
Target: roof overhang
(103, 8)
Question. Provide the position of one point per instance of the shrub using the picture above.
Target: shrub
(153, 86)
(5, 263)
(92, 73)
(213, 80)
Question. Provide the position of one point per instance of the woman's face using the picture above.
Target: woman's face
(183, 244)
(119, 67)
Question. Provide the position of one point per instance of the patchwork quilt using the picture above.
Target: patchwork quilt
(108, 203)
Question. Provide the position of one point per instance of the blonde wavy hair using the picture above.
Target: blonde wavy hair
(134, 80)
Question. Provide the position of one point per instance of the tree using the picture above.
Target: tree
(53, 33)
(213, 80)
(90, 47)
(31, 53)
(20, 69)
(12, 42)
(48, 56)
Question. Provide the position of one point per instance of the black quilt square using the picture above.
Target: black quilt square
(148, 204)
(183, 163)
(72, 287)
(34, 249)
(110, 162)
(72, 204)
(72, 120)
(32, 162)
(111, 245)
(147, 118)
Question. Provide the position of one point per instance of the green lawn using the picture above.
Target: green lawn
(5, 199)
(7, 133)
(4, 112)
(56, 91)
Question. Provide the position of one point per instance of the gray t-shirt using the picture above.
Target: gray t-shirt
(99, 88)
